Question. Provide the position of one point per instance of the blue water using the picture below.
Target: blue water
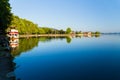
(81, 59)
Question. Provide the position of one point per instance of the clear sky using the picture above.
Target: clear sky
(84, 15)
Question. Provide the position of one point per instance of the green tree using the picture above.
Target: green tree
(41, 31)
(97, 34)
(5, 15)
(25, 26)
(68, 30)
(62, 31)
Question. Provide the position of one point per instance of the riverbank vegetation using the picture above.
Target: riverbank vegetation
(5, 15)
(26, 27)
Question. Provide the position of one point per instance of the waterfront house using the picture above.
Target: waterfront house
(13, 33)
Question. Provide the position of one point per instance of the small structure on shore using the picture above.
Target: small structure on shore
(13, 33)
(87, 34)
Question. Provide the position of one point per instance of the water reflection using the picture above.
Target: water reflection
(14, 43)
(7, 66)
(84, 59)
(68, 39)
(27, 44)
(88, 35)
(21, 45)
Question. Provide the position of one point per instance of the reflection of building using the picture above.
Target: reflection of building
(14, 42)
(72, 34)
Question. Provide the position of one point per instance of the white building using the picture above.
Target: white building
(14, 33)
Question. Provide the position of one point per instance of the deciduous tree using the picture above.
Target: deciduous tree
(5, 15)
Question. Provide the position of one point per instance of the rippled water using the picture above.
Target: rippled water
(78, 58)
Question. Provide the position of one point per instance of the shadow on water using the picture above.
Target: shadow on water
(7, 66)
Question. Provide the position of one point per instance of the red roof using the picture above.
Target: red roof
(13, 32)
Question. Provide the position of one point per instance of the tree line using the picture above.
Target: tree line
(25, 26)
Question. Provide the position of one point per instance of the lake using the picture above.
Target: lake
(68, 58)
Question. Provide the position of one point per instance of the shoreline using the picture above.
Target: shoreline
(54, 35)
(45, 35)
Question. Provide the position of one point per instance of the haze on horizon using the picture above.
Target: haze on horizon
(82, 15)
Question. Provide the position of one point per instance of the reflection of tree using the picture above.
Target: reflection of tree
(25, 45)
(45, 39)
(48, 39)
(28, 44)
(78, 36)
(68, 39)
(97, 35)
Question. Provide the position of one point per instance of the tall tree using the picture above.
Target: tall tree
(5, 15)
(68, 30)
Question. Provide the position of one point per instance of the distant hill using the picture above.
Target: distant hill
(25, 26)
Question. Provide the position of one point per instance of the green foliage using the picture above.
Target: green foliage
(68, 39)
(27, 27)
(78, 32)
(62, 31)
(24, 26)
(41, 31)
(68, 30)
(47, 30)
(97, 32)
(98, 35)
(5, 15)
(25, 45)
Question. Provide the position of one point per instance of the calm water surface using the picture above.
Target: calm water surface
(80, 58)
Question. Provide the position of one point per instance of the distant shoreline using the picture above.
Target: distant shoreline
(110, 33)
(53, 35)
(45, 35)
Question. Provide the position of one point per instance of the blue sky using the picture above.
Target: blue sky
(84, 15)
